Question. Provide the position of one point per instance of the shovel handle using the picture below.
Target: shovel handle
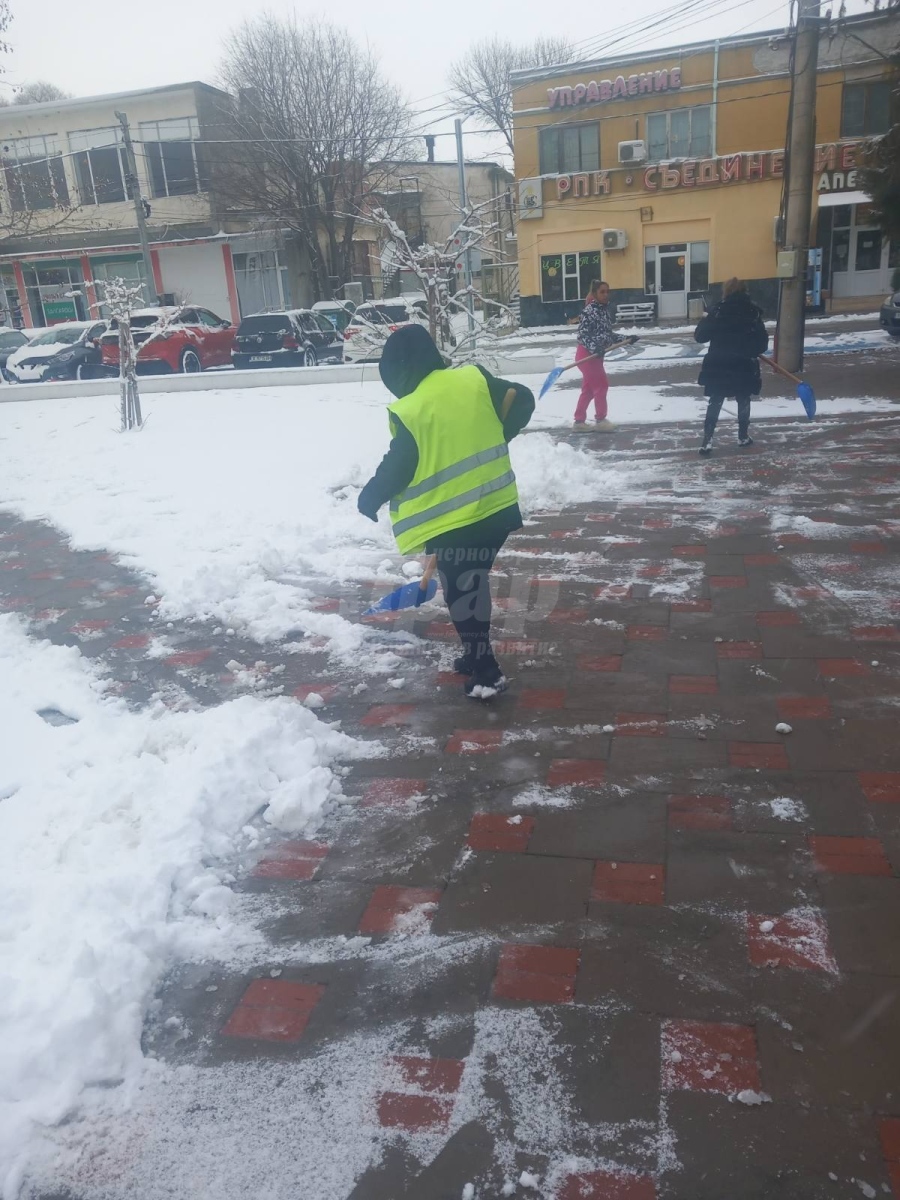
(770, 362)
(430, 568)
(599, 354)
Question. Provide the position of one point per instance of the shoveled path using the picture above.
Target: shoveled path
(615, 929)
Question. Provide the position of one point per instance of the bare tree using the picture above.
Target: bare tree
(313, 118)
(38, 92)
(480, 79)
(435, 268)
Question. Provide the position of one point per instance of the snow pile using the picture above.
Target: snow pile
(110, 828)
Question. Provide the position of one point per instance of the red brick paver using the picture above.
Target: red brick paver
(699, 1056)
(474, 741)
(274, 1010)
(572, 772)
(292, 860)
(761, 756)
(880, 787)
(608, 1185)
(700, 812)
(628, 883)
(399, 910)
(392, 793)
(850, 856)
(536, 974)
(500, 831)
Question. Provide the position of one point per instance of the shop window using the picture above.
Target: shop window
(650, 270)
(55, 293)
(98, 159)
(35, 178)
(679, 133)
(566, 149)
(130, 269)
(894, 254)
(866, 109)
(868, 250)
(174, 160)
(568, 276)
(699, 267)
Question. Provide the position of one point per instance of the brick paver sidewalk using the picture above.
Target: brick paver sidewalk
(614, 930)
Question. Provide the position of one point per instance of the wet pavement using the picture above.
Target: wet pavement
(617, 929)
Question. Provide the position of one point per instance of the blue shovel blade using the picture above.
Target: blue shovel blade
(410, 595)
(550, 380)
(807, 398)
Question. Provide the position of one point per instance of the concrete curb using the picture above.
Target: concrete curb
(214, 381)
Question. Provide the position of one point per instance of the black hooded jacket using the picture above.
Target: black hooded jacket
(736, 336)
(410, 356)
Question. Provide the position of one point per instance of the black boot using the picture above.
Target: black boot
(488, 680)
(465, 664)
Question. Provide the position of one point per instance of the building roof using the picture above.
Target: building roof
(107, 98)
(533, 74)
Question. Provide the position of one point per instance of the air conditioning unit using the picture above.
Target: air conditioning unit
(632, 152)
(614, 239)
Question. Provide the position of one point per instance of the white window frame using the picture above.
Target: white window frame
(24, 151)
(154, 133)
(83, 141)
(667, 113)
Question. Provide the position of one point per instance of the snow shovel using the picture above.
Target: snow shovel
(410, 595)
(557, 371)
(805, 394)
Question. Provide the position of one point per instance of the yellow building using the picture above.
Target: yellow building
(663, 173)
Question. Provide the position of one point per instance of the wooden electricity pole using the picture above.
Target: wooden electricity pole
(799, 165)
(139, 211)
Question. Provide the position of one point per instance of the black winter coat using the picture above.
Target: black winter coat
(736, 336)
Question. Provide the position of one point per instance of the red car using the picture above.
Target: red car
(173, 339)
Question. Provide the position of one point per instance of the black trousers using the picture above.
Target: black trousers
(465, 577)
(712, 416)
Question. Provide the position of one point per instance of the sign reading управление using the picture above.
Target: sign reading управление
(645, 84)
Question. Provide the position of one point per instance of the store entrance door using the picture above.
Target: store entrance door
(859, 254)
(672, 275)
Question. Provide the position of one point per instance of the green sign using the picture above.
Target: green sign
(59, 310)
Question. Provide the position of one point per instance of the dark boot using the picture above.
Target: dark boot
(465, 664)
(488, 680)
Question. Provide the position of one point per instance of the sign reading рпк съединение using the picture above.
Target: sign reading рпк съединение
(646, 84)
(835, 170)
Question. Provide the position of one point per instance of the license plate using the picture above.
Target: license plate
(260, 357)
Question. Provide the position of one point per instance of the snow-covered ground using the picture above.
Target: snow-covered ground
(234, 504)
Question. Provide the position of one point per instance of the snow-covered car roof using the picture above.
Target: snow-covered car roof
(159, 313)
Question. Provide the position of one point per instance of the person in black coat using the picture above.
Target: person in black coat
(736, 336)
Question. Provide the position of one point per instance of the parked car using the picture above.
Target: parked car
(187, 339)
(67, 351)
(338, 312)
(10, 339)
(890, 315)
(373, 323)
(295, 338)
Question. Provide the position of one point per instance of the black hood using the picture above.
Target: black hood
(739, 303)
(409, 355)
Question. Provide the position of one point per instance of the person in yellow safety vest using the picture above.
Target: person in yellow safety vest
(448, 479)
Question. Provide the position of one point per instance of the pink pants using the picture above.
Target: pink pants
(594, 387)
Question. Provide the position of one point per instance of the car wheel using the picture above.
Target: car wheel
(309, 357)
(190, 363)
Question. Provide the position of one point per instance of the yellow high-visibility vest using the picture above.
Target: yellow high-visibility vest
(464, 473)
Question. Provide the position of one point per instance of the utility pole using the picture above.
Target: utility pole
(139, 210)
(463, 204)
(801, 147)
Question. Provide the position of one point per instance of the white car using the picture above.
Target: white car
(374, 322)
(338, 312)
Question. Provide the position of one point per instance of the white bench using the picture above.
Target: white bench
(636, 312)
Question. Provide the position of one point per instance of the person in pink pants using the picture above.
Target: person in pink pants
(595, 336)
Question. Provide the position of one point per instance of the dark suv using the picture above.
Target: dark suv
(294, 338)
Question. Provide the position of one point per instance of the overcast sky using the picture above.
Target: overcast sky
(88, 49)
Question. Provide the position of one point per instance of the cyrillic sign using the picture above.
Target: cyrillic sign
(646, 84)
